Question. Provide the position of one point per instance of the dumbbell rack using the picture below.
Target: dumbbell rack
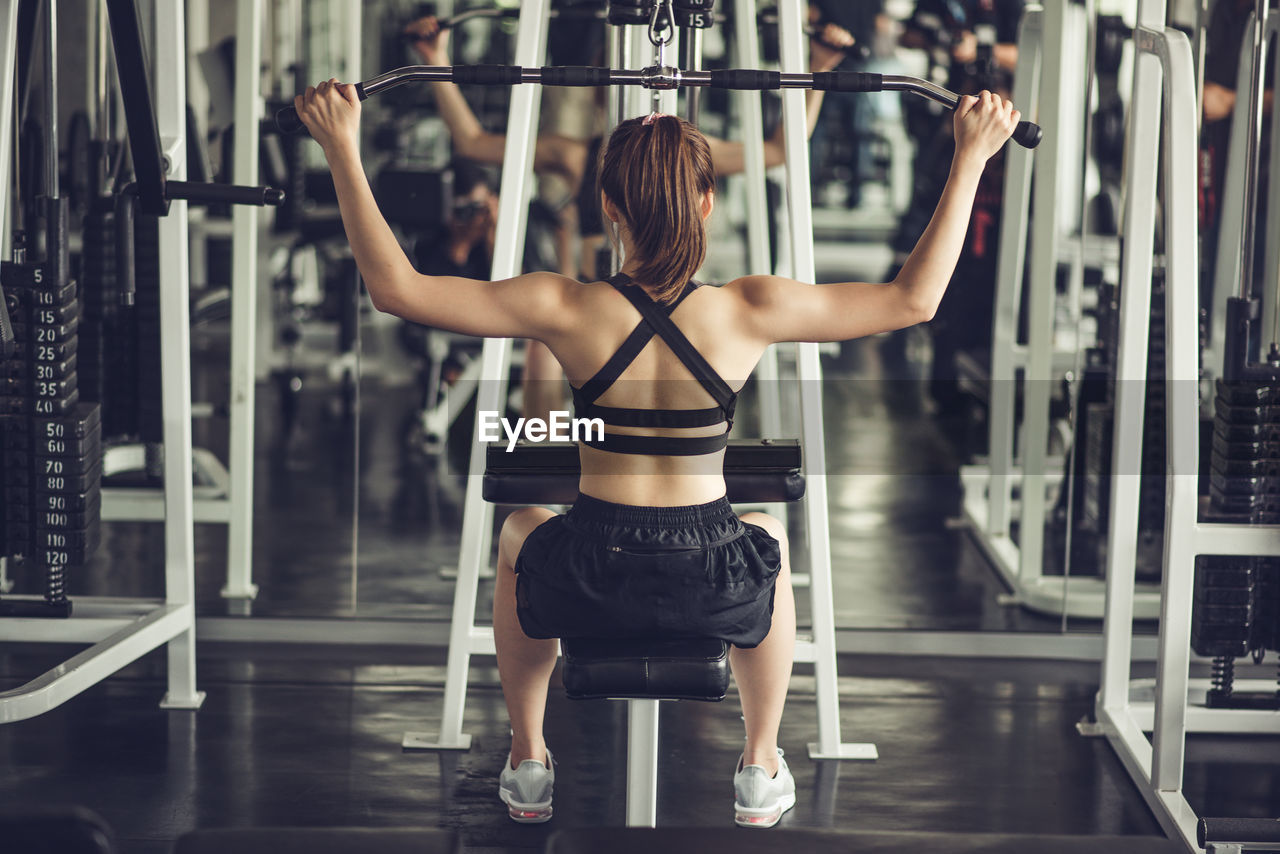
(1163, 69)
(122, 630)
(468, 639)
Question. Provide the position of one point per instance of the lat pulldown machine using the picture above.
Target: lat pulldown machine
(647, 671)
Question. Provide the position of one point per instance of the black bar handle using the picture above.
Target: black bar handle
(488, 75)
(575, 75)
(200, 193)
(287, 120)
(1028, 134)
(1263, 831)
(745, 78)
(848, 81)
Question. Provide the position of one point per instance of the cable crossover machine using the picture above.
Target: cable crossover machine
(757, 471)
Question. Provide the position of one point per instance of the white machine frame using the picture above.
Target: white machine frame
(1041, 83)
(466, 638)
(222, 494)
(123, 630)
(1163, 67)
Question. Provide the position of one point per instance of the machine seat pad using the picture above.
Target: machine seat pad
(669, 669)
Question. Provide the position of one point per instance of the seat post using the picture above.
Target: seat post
(642, 763)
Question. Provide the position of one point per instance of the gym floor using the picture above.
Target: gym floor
(301, 737)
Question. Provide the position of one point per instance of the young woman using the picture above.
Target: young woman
(652, 545)
(575, 160)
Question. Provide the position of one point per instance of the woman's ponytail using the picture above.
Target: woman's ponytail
(656, 171)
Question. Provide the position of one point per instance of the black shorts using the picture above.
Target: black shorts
(606, 570)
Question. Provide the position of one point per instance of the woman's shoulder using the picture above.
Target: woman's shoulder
(754, 291)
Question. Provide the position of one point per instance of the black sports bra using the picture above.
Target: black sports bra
(656, 319)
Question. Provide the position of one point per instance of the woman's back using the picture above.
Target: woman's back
(655, 379)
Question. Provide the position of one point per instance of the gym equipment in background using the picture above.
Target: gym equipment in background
(1049, 79)
(1164, 73)
(51, 458)
(1236, 609)
(123, 630)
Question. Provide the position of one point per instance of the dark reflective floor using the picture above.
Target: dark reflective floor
(299, 737)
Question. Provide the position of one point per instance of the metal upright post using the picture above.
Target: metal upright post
(692, 50)
(352, 27)
(1140, 169)
(175, 349)
(244, 303)
(642, 763)
(747, 48)
(1228, 270)
(792, 43)
(1182, 417)
(197, 24)
(619, 53)
(8, 65)
(465, 637)
(1011, 266)
(1271, 272)
(1040, 307)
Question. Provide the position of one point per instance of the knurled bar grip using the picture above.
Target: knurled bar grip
(848, 81)
(745, 78)
(488, 75)
(576, 75)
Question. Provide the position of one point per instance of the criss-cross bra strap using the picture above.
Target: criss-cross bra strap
(618, 362)
(661, 323)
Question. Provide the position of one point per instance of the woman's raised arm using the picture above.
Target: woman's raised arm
(779, 309)
(529, 306)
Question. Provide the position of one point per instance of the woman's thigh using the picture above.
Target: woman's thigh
(774, 527)
(516, 528)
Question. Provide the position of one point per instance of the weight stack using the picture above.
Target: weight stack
(1266, 624)
(1097, 426)
(147, 338)
(50, 440)
(1238, 614)
(100, 298)
(1151, 493)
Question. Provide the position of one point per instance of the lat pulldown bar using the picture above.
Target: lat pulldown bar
(1027, 134)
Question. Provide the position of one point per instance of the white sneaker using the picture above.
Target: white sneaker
(760, 800)
(527, 790)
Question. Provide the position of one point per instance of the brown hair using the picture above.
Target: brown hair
(656, 173)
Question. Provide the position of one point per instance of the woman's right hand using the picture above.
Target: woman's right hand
(983, 123)
(430, 40)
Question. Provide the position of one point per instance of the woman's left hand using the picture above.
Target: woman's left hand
(331, 112)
